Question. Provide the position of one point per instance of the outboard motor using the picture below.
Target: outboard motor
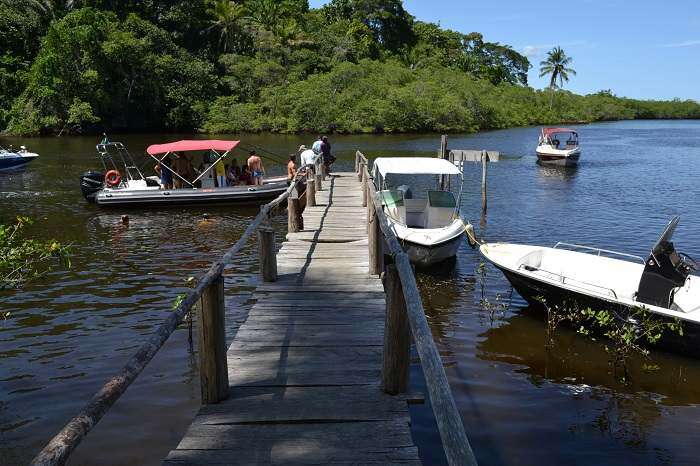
(91, 182)
(665, 270)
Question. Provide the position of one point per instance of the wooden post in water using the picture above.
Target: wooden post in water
(267, 253)
(213, 370)
(311, 192)
(442, 154)
(484, 172)
(397, 336)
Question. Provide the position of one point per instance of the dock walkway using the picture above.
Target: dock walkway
(304, 368)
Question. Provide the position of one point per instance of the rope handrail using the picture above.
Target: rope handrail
(59, 448)
(454, 438)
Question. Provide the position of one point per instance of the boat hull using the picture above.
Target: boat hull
(533, 291)
(242, 195)
(426, 256)
(561, 160)
(13, 164)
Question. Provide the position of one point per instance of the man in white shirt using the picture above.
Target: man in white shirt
(316, 147)
(307, 157)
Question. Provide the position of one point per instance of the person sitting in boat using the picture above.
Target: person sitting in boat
(246, 176)
(555, 143)
(180, 166)
(291, 169)
(231, 176)
(164, 170)
(257, 170)
(205, 167)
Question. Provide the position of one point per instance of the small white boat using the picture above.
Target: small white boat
(11, 160)
(558, 146)
(428, 223)
(122, 184)
(662, 283)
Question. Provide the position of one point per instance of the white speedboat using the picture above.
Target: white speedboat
(558, 146)
(662, 284)
(427, 223)
(123, 184)
(12, 160)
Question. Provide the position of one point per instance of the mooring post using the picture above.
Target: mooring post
(213, 369)
(484, 172)
(295, 222)
(374, 240)
(267, 253)
(442, 154)
(397, 336)
(311, 192)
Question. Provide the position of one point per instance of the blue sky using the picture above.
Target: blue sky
(637, 48)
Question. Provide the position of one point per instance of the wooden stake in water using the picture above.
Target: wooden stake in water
(484, 172)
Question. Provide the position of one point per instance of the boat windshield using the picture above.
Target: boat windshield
(662, 243)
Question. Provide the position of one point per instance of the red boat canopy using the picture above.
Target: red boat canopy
(192, 145)
(548, 131)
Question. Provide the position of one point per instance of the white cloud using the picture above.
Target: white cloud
(687, 43)
(531, 51)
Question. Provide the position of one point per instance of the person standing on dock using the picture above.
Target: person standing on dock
(307, 156)
(257, 170)
(316, 147)
(328, 158)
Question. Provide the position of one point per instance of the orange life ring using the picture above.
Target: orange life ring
(113, 178)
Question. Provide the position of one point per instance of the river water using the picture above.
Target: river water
(521, 402)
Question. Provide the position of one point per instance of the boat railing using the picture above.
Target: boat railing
(563, 279)
(209, 292)
(597, 250)
(405, 317)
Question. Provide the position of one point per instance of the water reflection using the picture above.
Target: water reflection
(546, 172)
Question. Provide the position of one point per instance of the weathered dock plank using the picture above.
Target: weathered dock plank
(305, 366)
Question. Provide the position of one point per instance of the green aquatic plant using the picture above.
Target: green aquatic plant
(630, 332)
(24, 259)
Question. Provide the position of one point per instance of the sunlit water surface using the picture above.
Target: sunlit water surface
(521, 403)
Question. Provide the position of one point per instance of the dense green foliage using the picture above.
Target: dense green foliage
(269, 65)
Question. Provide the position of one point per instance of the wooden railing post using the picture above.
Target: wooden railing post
(267, 252)
(213, 370)
(311, 192)
(295, 222)
(359, 173)
(319, 178)
(363, 178)
(397, 336)
(374, 239)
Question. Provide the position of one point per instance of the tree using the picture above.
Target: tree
(228, 16)
(556, 65)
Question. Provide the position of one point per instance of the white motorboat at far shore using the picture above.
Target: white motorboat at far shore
(551, 151)
(428, 224)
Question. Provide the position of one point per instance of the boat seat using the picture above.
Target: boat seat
(441, 209)
(415, 212)
(393, 203)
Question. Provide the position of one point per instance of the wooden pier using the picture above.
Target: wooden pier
(304, 369)
(319, 371)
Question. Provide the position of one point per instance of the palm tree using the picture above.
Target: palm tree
(556, 65)
(227, 18)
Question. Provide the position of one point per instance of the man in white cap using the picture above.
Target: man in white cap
(307, 157)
